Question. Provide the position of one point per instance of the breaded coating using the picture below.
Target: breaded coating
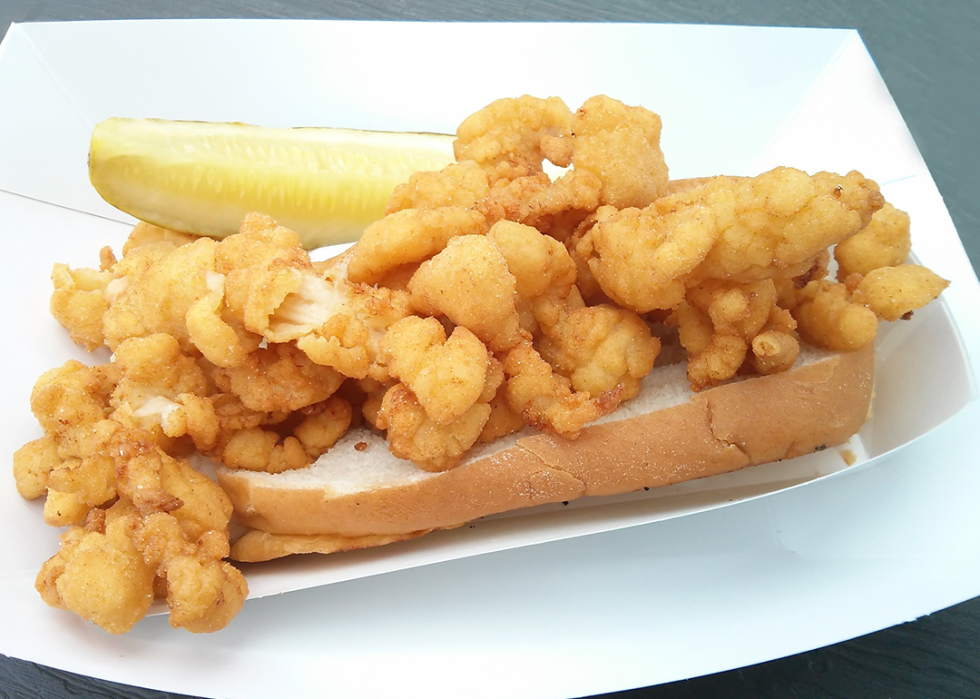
(739, 230)
(537, 201)
(203, 592)
(515, 135)
(783, 219)
(214, 330)
(256, 449)
(776, 347)
(885, 242)
(545, 399)
(317, 428)
(151, 300)
(469, 283)
(323, 424)
(413, 435)
(601, 349)
(79, 303)
(33, 464)
(540, 264)
(894, 292)
(349, 341)
(279, 378)
(502, 421)
(620, 145)
(64, 509)
(717, 323)
(458, 184)
(407, 237)
(100, 575)
(447, 376)
(161, 389)
(828, 318)
(492, 297)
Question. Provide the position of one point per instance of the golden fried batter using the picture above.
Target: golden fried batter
(447, 376)
(279, 378)
(470, 284)
(545, 399)
(516, 135)
(885, 242)
(894, 292)
(413, 435)
(621, 146)
(740, 230)
(407, 237)
(492, 296)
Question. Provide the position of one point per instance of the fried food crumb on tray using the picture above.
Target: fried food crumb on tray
(492, 296)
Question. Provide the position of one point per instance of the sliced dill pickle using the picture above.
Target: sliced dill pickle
(326, 184)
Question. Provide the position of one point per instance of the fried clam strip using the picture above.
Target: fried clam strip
(408, 237)
(721, 324)
(739, 230)
(844, 316)
(545, 399)
(513, 136)
(620, 145)
(115, 478)
(885, 242)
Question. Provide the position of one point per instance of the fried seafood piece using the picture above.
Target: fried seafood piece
(600, 349)
(777, 346)
(278, 378)
(738, 230)
(718, 324)
(620, 145)
(214, 330)
(157, 285)
(412, 434)
(99, 574)
(844, 316)
(545, 399)
(162, 389)
(265, 268)
(204, 592)
(469, 282)
(316, 429)
(446, 375)
(552, 207)
(349, 340)
(458, 184)
(79, 303)
(408, 237)
(68, 400)
(515, 135)
(33, 464)
(70, 462)
(895, 292)
(102, 571)
(885, 242)
(543, 270)
(828, 318)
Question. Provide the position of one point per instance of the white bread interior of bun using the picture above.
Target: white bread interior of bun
(359, 494)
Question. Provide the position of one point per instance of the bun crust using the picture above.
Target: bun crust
(722, 429)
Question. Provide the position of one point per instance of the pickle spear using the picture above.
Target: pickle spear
(326, 184)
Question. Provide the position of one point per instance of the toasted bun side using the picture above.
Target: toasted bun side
(752, 421)
(256, 546)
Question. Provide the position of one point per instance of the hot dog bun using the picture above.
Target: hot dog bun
(359, 495)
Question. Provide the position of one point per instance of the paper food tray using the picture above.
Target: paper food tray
(737, 101)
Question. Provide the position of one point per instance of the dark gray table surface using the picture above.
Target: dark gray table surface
(928, 56)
